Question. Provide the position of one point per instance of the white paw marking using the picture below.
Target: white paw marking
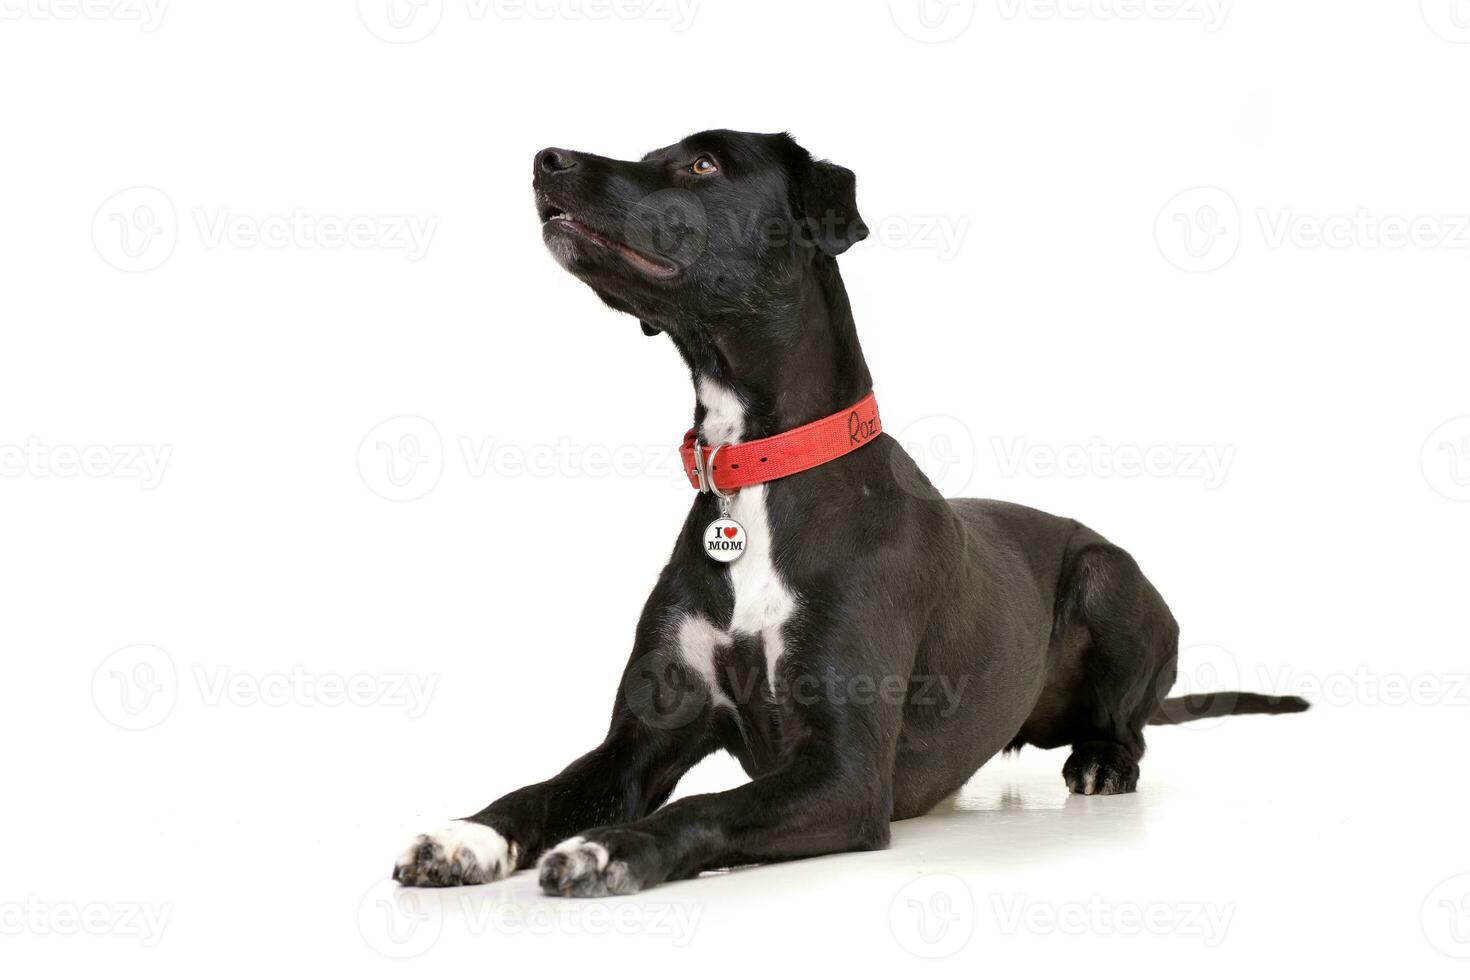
(581, 856)
(463, 853)
(581, 868)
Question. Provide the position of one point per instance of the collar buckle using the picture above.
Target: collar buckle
(704, 464)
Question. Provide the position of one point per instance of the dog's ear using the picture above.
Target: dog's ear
(827, 198)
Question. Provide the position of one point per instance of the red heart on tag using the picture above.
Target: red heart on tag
(730, 532)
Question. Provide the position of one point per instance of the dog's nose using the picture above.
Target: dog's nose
(553, 161)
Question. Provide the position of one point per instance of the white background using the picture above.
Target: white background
(1049, 299)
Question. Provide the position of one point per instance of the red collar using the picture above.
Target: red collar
(743, 464)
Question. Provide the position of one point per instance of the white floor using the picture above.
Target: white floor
(1322, 840)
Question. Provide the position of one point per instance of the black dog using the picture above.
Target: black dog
(874, 644)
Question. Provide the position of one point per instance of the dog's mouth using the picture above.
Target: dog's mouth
(555, 220)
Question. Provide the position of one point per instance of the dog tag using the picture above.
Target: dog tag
(724, 539)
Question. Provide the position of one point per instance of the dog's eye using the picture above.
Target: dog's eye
(704, 166)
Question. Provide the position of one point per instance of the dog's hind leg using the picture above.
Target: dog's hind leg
(1122, 662)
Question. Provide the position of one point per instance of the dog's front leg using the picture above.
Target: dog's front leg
(834, 793)
(659, 730)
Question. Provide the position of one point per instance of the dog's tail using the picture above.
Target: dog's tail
(1217, 704)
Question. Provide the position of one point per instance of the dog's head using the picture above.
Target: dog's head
(715, 226)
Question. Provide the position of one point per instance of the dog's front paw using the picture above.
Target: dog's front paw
(579, 868)
(463, 853)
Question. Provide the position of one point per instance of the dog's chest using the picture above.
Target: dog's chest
(763, 602)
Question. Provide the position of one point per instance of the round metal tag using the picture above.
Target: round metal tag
(724, 539)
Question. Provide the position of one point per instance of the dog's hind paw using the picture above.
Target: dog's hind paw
(1100, 769)
(579, 868)
(463, 853)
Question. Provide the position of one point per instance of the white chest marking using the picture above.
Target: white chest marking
(763, 602)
